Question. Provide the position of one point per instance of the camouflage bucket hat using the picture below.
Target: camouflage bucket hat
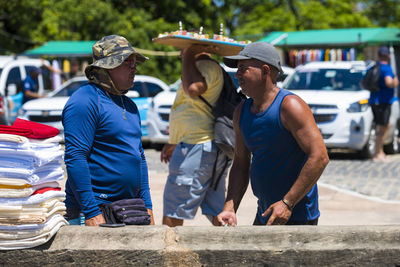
(110, 51)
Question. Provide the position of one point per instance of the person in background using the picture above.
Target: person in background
(381, 102)
(73, 72)
(277, 144)
(29, 86)
(103, 149)
(192, 153)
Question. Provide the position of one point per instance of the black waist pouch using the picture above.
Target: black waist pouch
(128, 211)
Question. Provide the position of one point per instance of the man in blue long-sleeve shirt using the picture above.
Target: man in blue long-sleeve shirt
(103, 150)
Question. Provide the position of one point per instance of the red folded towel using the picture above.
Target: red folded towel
(5, 129)
(37, 130)
(45, 189)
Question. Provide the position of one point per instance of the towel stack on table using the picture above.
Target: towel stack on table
(31, 200)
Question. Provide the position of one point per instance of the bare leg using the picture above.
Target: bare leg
(172, 222)
(381, 132)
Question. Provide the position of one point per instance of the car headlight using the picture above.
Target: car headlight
(359, 106)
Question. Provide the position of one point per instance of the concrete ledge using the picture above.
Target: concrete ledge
(215, 246)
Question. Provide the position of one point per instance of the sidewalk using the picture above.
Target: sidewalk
(337, 207)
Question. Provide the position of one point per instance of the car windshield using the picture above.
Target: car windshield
(325, 79)
(69, 89)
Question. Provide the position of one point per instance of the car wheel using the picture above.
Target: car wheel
(368, 150)
(393, 146)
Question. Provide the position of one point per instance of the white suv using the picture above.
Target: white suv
(340, 106)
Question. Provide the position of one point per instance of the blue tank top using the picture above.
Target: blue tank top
(277, 159)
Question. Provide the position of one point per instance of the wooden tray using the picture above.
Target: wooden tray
(182, 41)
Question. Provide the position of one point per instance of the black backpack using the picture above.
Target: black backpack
(229, 98)
(371, 78)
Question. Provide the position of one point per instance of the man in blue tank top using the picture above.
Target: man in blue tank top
(278, 145)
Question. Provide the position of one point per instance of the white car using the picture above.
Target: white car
(340, 106)
(48, 110)
(158, 113)
(13, 71)
(282, 77)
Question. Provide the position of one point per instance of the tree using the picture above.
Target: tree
(291, 15)
(16, 21)
(383, 13)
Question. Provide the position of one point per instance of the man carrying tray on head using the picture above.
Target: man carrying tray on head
(191, 152)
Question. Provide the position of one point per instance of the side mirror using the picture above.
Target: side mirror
(11, 89)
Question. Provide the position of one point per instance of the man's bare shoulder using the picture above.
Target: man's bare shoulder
(295, 112)
(294, 103)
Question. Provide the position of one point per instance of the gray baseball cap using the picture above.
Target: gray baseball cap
(262, 51)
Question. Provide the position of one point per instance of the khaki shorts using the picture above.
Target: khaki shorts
(189, 184)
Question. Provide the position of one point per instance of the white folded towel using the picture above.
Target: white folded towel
(29, 159)
(35, 199)
(26, 191)
(37, 239)
(49, 172)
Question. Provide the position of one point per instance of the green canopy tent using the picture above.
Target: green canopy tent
(81, 49)
(334, 38)
(63, 49)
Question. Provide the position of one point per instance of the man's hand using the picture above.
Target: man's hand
(227, 218)
(167, 152)
(198, 48)
(280, 213)
(95, 221)
(150, 212)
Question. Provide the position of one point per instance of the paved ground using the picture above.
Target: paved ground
(374, 179)
(352, 192)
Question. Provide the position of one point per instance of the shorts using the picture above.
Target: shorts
(74, 217)
(190, 184)
(381, 113)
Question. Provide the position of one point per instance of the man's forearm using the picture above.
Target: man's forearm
(309, 175)
(238, 183)
(193, 82)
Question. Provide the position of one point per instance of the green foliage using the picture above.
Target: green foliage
(294, 15)
(383, 13)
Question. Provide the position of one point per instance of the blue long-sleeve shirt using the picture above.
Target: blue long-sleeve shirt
(103, 151)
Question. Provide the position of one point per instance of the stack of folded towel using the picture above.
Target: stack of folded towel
(31, 200)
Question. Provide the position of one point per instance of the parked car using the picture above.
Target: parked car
(340, 106)
(48, 110)
(282, 77)
(13, 71)
(3, 111)
(158, 113)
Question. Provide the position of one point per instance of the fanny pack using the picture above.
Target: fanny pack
(128, 211)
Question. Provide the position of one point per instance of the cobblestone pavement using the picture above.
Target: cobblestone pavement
(345, 171)
(375, 179)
